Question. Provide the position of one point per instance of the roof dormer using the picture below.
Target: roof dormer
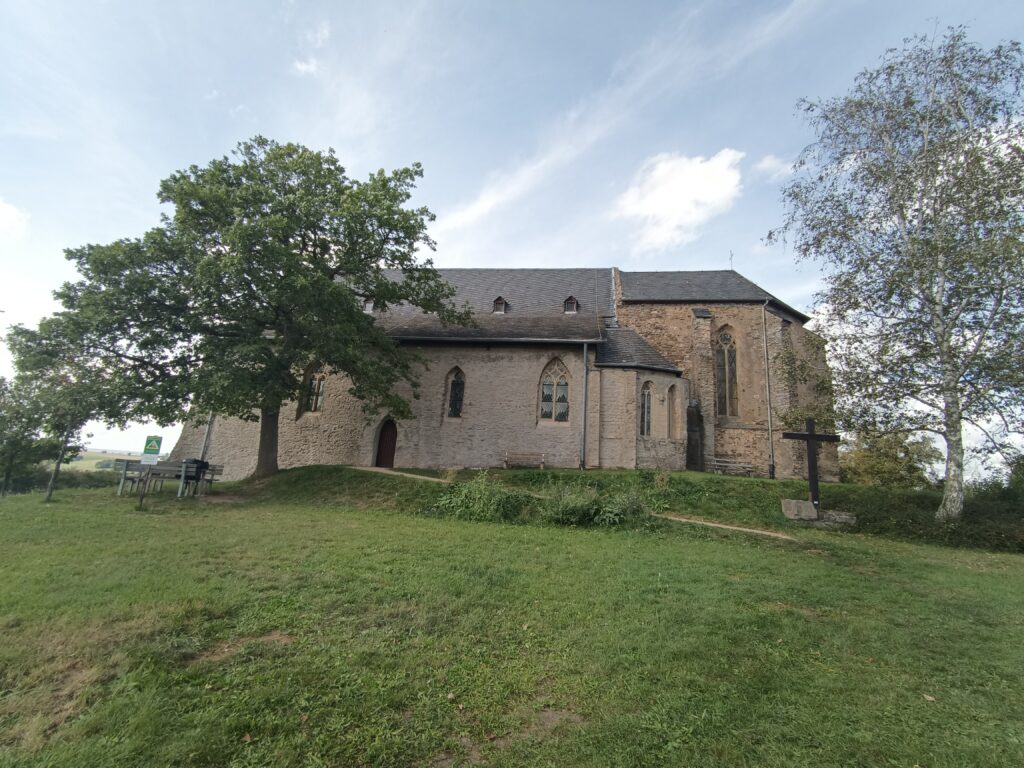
(500, 306)
(570, 306)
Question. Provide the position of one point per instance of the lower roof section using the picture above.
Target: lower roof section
(625, 348)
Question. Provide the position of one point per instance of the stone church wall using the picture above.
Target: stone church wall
(500, 413)
(665, 446)
(687, 340)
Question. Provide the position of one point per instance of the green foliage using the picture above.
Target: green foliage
(991, 520)
(572, 503)
(27, 420)
(895, 460)
(265, 267)
(1006, 491)
(38, 478)
(579, 505)
(909, 514)
(482, 499)
(912, 199)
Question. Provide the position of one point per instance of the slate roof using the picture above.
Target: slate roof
(532, 290)
(712, 286)
(535, 308)
(625, 348)
(535, 299)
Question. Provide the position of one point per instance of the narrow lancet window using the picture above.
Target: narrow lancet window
(673, 432)
(456, 391)
(725, 374)
(645, 409)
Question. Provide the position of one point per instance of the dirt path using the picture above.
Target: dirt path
(698, 521)
(386, 471)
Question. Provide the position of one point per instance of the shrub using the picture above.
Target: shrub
(584, 506)
(622, 509)
(572, 505)
(480, 499)
(37, 479)
(987, 522)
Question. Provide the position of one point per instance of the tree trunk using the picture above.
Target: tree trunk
(8, 471)
(952, 505)
(56, 467)
(266, 458)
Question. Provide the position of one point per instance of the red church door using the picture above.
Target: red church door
(386, 442)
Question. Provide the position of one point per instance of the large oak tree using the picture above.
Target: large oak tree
(266, 265)
(912, 197)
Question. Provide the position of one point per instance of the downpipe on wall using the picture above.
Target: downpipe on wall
(768, 390)
(586, 394)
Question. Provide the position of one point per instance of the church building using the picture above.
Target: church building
(570, 368)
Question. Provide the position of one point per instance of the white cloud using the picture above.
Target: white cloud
(318, 37)
(308, 66)
(211, 95)
(671, 59)
(775, 168)
(673, 196)
(315, 39)
(13, 222)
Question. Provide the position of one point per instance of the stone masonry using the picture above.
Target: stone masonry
(686, 338)
(500, 413)
(671, 351)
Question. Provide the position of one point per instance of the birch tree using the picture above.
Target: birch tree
(911, 197)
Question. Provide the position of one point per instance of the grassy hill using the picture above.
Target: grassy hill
(317, 619)
(89, 461)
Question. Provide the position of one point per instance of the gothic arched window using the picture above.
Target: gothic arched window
(646, 392)
(554, 392)
(725, 374)
(456, 391)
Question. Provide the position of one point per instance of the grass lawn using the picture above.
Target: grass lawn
(313, 620)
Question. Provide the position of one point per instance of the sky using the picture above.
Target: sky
(645, 135)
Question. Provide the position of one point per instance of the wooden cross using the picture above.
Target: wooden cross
(812, 439)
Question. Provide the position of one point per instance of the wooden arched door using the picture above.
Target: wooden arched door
(386, 441)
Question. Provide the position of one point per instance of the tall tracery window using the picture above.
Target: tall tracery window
(725, 374)
(554, 392)
(673, 433)
(456, 391)
(315, 391)
(646, 392)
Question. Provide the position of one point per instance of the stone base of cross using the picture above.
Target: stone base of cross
(812, 439)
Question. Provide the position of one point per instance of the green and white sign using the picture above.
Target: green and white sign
(151, 451)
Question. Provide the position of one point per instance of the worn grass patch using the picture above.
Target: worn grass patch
(313, 621)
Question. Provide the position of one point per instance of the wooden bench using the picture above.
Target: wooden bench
(524, 460)
(192, 476)
(731, 467)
